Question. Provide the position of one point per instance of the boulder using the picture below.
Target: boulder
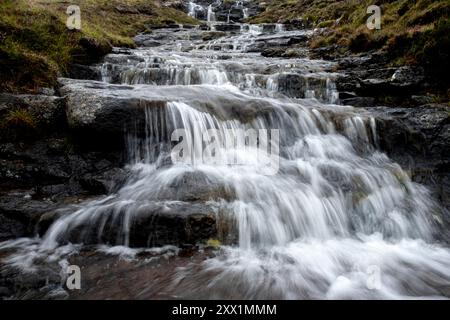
(370, 75)
(104, 182)
(292, 84)
(151, 224)
(182, 224)
(273, 52)
(104, 112)
(147, 40)
(419, 139)
(53, 169)
(19, 214)
(212, 35)
(101, 113)
(300, 39)
(196, 187)
(359, 102)
(408, 76)
(227, 27)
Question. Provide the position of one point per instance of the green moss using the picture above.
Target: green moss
(213, 243)
(36, 46)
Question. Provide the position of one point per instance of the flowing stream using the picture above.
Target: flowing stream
(337, 219)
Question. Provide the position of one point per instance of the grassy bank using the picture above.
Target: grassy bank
(412, 32)
(36, 46)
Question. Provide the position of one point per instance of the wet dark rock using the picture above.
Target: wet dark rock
(93, 109)
(298, 40)
(99, 113)
(399, 81)
(326, 53)
(46, 112)
(424, 129)
(422, 100)
(43, 283)
(419, 139)
(147, 277)
(11, 228)
(19, 214)
(197, 187)
(5, 292)
(152, 224)
(346, 95)
(298, 23)
(273, 52)
(257, 47)
(278, 41)
(347, 83)
(104, 182)
(360, 102)
(408, 76)
(368, 62)
(212, 35)
(282, 52)
(228, 27)
(79, 71)
(52, 169)
(47, 219)
(190, 26)
(180, 225)
(146, 40)
(371, 76)
(292, 85)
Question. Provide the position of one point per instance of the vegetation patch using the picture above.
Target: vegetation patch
(412, 32)
(18, 124)
(36, 46)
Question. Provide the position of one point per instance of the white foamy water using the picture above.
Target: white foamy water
(339, 220)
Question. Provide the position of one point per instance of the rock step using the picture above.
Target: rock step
(149, 224)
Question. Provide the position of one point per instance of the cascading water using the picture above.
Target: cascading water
(193, 8)
(211, 17)
(336, 211)
(245, 13)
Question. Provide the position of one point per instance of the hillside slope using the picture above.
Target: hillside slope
(36, 45)
(412, 32)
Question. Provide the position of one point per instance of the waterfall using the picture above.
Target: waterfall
(211, 14)
(279, 28)
(307, 218)
(245, 13)
(192, 9)
(317, 165)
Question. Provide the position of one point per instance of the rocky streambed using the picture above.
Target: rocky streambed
(362, 180)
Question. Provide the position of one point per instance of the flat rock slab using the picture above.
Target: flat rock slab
(111, 109)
